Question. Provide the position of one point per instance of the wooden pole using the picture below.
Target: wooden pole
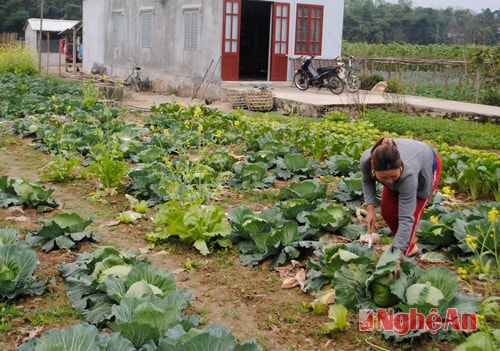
(48, 51)
(40, 39)
(477, 85)
(446, 76)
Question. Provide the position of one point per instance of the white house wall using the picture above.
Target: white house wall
(166, 62)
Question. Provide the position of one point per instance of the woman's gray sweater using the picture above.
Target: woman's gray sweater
(416, 181)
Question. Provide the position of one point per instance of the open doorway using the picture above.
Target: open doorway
(254, 39)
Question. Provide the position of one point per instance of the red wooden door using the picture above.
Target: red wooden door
(279, 43)
(230, 63)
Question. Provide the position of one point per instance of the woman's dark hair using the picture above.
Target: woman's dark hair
(385, 155)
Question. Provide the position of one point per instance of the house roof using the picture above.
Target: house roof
(50, 25)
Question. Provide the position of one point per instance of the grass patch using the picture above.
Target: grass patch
(52, 314)
(455, 132)
(7, 313)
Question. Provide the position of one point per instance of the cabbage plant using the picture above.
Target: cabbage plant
(8, 236)
(98, 282)
(17, 191)
(61, 230)
(373, 286)
(80, 337)
(266, 235)
(17, 264)
(296, 166)
(214, 337)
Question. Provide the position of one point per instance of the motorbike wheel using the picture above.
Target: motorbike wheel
(352, 84)
(300, 80)
(335, 84)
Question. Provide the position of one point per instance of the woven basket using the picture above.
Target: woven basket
(238, 98)
(98, 68)
(261, 100)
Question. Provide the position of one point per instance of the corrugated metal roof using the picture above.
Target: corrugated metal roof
(51, 25)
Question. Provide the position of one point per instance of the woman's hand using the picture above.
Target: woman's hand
(398, 264)
(371, 217)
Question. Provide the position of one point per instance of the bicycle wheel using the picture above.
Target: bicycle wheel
(335, 84)
(127, 80)
(300, 80)
(138, 83)
(352, 84)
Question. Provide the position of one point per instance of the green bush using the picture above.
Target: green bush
(491, 97)
(368, 82)
(395, 86)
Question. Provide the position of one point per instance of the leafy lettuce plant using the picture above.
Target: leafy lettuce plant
(200, 226)
(17, 264)
(62, 231)
(473, 173)
(108, 165)
(62, 168)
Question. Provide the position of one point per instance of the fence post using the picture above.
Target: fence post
(415, 81)
(459, 86)
(446, 76)
(477, 85)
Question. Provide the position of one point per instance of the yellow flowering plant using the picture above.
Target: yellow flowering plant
(481, 238)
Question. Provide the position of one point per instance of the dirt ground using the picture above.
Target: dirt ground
(250, 301)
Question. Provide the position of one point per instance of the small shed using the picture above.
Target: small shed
(52, 30)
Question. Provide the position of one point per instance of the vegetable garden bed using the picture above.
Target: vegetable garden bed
(213, 184)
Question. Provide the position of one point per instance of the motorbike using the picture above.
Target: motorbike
(323, 77)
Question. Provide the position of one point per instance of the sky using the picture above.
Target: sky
(474, 5)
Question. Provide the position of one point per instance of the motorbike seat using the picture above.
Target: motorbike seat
(327, 68)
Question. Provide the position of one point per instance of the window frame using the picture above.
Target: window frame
(147, 28)
(313, 30)
(117, 28)
(191, 27)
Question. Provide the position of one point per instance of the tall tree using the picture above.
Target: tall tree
(15, 13)
(377, 21)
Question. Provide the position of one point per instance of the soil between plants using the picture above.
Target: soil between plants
(250, 301)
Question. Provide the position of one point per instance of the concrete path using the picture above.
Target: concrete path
(288, 92)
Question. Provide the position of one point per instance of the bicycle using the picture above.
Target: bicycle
(347, 75)
(134, 78)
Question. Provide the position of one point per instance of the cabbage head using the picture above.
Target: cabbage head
(382, 295)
